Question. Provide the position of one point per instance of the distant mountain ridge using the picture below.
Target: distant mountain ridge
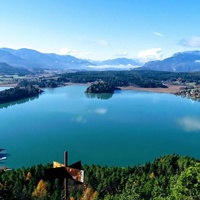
(10, 59)
(10, 70)
(31, 59)
(187, 61)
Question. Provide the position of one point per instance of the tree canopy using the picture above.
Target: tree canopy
(168, 177)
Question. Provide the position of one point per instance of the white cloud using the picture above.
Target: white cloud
(85, 54)
(101, 111)
(67, 51)
(150, 54)
(102, 42)
(158, 34)
(189, 124)
(88, 41)
(104, 67)
(123, 54)
(191, 42)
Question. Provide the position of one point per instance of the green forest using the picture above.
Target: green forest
(140, 78)
(18, 93)
(105, 82)
(168, 177)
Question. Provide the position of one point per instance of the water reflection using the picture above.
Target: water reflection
(101, 96)
(6, 105)
(4, 88)
(189, 124)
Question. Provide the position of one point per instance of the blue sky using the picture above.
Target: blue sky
(102, 29)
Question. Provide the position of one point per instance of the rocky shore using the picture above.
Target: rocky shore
(191, 92)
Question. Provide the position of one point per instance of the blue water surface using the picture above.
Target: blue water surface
(124, 129)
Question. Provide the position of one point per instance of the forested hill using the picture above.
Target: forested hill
(140, 78)
(168, 177)
(6, 69)
(18, 93)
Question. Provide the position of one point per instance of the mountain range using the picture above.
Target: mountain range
(30, 59)
(187, 61)
(6, 69)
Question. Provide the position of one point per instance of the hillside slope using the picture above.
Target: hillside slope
(180, 62)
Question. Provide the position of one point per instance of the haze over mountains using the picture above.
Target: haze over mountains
(29, 59)
(187, 61)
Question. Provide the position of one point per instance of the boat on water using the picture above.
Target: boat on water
(3, 158)
(5, 169)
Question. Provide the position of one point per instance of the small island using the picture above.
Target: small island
(19, 93)
(101, 86)
(185, 84)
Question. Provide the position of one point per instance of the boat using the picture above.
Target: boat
(5, 169)
(3, 158)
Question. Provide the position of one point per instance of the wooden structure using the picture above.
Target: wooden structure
(60, 171)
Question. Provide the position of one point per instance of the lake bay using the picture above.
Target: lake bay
(124, 129)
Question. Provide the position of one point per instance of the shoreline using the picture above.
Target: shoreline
(172, 89)
(8, 85)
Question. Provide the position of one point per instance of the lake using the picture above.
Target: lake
(124, 129)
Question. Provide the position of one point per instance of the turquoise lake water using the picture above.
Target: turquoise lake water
(124, 129)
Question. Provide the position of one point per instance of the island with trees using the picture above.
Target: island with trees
(187, 82)
(101, 86)
(19, 93)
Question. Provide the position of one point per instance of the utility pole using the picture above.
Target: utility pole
(66, 179)
(63, 171)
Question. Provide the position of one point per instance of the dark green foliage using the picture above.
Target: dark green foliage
(151, 181)
(140, 78)
(117, 78)
(18, 93)
(19, 184)
(100, 87)
(42, 83)
(168, 177)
